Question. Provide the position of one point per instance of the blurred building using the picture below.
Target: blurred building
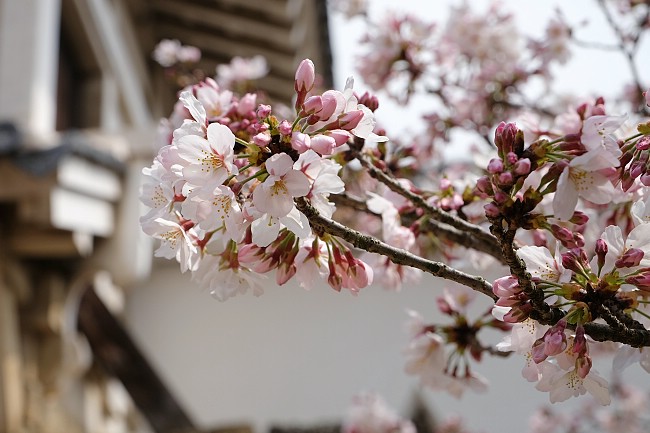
(79, 103)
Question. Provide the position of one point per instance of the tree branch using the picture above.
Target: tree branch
(441, 230)
(396, 255)
(481, 235)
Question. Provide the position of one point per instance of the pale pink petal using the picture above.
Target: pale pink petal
(279, 164)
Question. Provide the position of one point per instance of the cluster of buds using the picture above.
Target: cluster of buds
(635, 161)
(507, 173)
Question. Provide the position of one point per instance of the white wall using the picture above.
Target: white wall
(293, 356)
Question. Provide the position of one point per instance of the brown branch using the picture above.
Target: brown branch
(478, 232)
(396, 255)
(442, 231)
(505, 233)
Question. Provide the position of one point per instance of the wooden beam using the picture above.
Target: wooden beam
(115, 351)
(234, 26)
(208, 42)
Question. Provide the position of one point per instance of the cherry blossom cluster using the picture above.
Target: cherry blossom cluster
(427, 353)
(169, 52)
(222, 191)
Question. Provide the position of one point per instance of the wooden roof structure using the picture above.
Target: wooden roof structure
(283, 31)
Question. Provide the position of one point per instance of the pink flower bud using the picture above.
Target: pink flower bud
(641, 280)
(643, 143)
(305, 76)
(562, 234)
(630, 258)
(575, 260)
(505, 178)
(323, 144)
(247, 104)
(330, 102)
(580, 342)
(601, 252)
(555, 339)
(537, 351)
(263, 111)
(500, 197)
(506, 286)
(579, 218)
(636, 169)
(645, 179)
(300, 142)
(350, 120)
(262, 139)
(512, 158)
(583, 366)
(646, 95)
(340, 136)
(505, 137)
(369, 101)
(495, 166)
(312, 105)
(483, 185)
(284, 127)
(492, 210)
(522, 167)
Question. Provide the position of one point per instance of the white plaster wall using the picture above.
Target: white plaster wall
(293, 356)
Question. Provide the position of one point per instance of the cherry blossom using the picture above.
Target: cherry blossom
(209, 161)
(275, 195)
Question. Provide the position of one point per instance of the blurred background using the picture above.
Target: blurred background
(96, 335)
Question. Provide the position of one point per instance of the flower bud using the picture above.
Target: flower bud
(284, 127)
(601, 252)
(522, 167)
(323, 144)
(312, 105)
(262, 139)
(340, 136)
(300, 142)
(579, 218)
(629, 258)
(305, 76)
(583, 366)
(369, 101)
(641, 279)
(512, 158)
(645, 179)
(506, 286)
(555, 339)
(495, 166)
(263, 111)
(504, 138)
(643, 143)
(562, 234)
(505, 178)
(580, 342)
(492, 210)
(350, 120)
(484, 186)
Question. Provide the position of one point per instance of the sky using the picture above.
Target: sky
(588, 73)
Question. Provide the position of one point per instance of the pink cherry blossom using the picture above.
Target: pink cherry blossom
(580, 178)
(208, 161)
(275, 195)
